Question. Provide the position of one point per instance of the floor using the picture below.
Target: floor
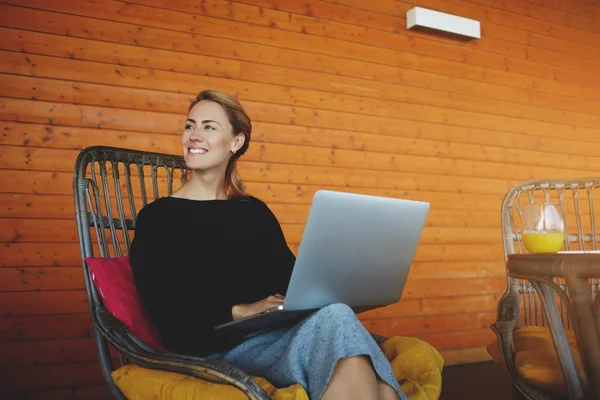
(485, 381)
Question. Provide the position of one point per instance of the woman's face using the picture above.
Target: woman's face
(208, 140)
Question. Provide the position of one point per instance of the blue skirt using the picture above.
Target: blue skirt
(308, 352)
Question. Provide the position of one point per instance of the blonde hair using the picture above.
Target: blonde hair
(240, 123)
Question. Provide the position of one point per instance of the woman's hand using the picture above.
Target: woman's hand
(245, 310)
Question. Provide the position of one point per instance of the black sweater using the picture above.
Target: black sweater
(194, 260)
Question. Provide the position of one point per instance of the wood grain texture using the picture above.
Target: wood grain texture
(341, 96)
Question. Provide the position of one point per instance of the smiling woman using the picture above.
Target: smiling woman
(217, 132)
(232, 241)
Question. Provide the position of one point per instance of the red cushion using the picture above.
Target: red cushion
(114, 281)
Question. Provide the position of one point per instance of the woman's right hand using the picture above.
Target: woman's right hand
(245, 310)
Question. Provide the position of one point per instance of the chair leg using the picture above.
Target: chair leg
(106, 365)
(561, 344)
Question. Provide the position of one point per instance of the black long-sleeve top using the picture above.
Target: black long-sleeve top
(194, 260)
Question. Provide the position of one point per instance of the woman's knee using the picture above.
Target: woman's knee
(337, 311)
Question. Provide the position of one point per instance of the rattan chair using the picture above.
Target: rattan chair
(521, 304)
(110, 186)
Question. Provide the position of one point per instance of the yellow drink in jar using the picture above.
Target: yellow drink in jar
(543, 242)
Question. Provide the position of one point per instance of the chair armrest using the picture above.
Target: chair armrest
(135, 351)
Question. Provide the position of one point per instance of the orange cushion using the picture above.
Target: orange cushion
(536, 359)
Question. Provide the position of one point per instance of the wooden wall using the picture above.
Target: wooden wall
(342, 97)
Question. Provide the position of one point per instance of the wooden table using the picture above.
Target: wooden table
(576, 269)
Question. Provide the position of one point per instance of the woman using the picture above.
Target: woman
(219, 237)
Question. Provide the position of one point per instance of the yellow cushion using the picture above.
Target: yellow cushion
(536, 359)
(139, 383)
(416, 364)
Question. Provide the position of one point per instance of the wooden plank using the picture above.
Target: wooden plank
(186, 22)
(67, 254)
(465, 356)
(527, 60)
(36, 327)
(344, 158)
(23, 41)
(422, 288)
(13, 230)
(252, 170)
(80, 93)
(508, 148)
(149, 37)
(86, 116)
(57, 351)
(36, 206)
(84, 71)
(280, 163)
(141, 79)
(51, 375)
(391, 126)
(70, 277)
(61, 207)
(531, 10)
(580, 24)
(39, 255)
(40, 279)
(118, 54)
(410, 42)
(496, 37)
(458, 340)
(77, 138)
(37, 158)
(67, 47)
(578, 16)
(435, 306)
(453, 270)
(385, 90)
(569, 40)
(43, 303)
(321, 10)
(571, 64)
(278, 193)
(36, 183)
(498, 13)
(64, 231)
(57, 183)
(428, 324)
(335, 170)
(34, 111)
(75, 301)
(592, 3)
(142, 99)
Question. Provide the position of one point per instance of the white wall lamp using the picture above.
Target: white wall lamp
(422, 19)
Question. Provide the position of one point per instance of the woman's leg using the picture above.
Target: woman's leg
(386, 392)
(314, 350)
(353, 378)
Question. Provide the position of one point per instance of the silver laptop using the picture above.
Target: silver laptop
(356, 249)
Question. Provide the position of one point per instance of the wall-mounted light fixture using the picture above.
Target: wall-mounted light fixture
(424, 19)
